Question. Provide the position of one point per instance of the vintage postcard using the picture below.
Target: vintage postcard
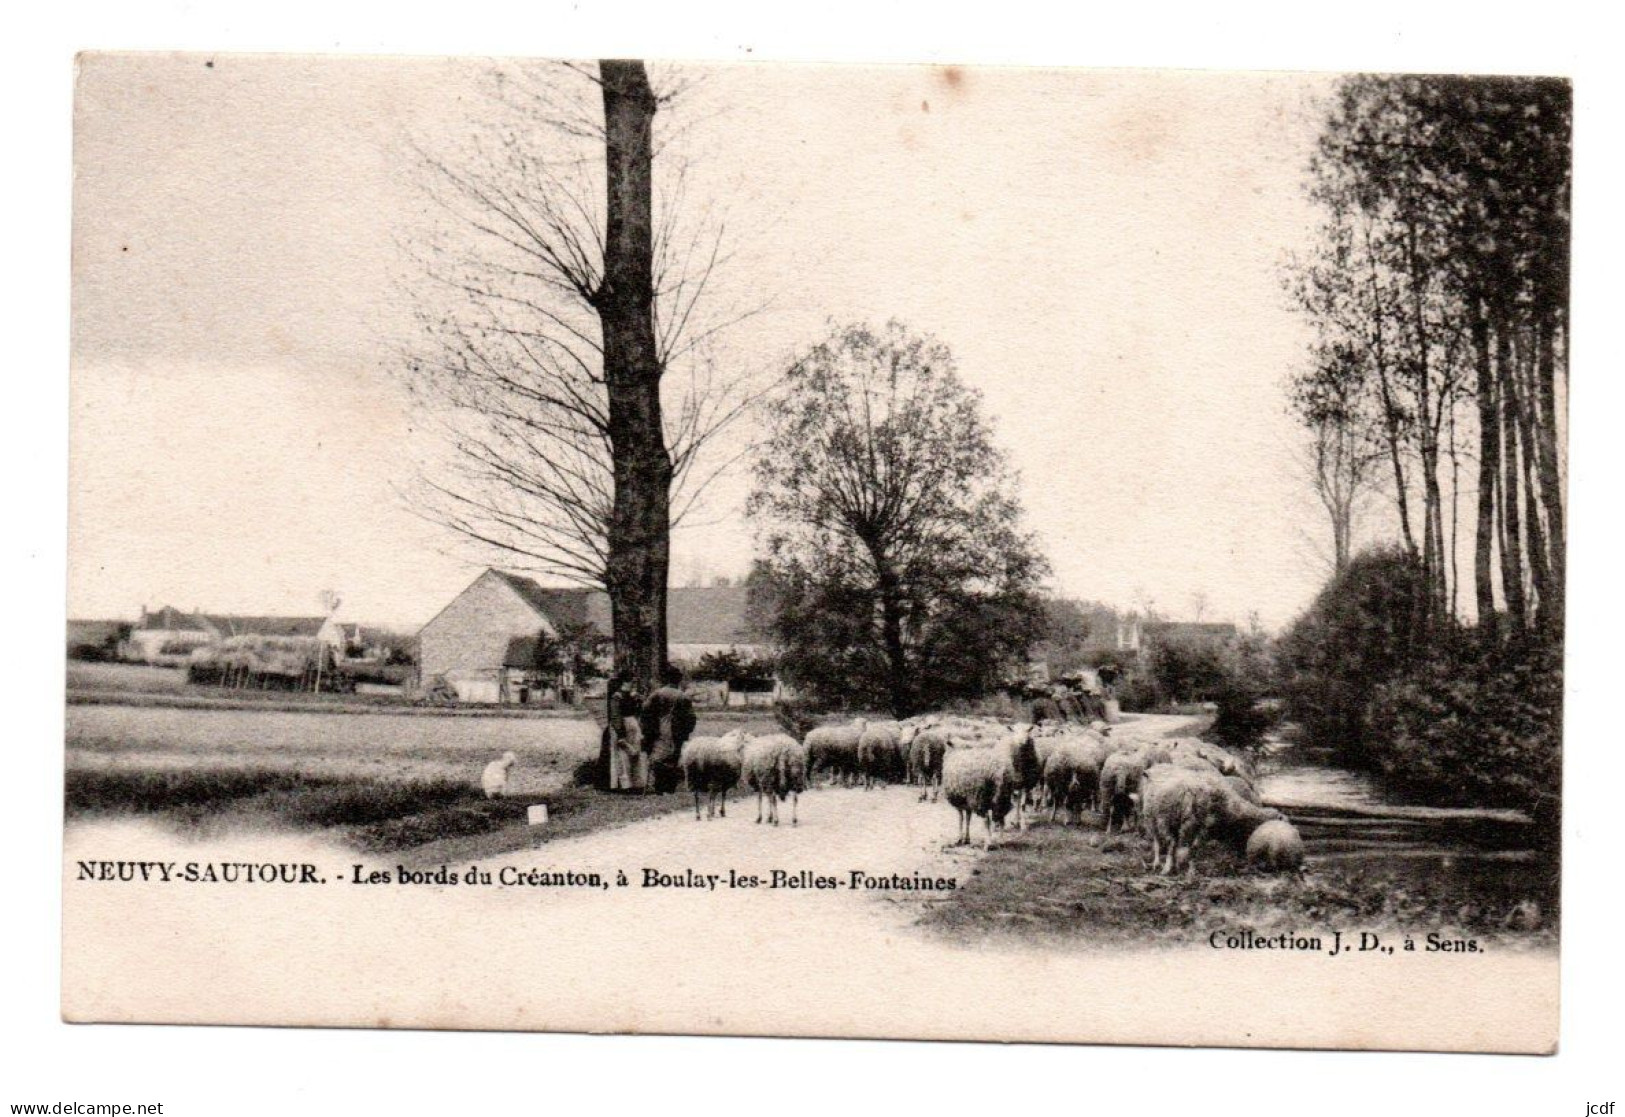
(925, 552)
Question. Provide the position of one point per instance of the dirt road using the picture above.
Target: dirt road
(859, 840)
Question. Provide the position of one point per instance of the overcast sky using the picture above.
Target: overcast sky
(1100, 250)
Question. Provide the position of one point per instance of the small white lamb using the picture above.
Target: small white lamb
(495, 779)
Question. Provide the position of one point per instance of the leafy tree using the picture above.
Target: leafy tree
(1071, 627)
(896, 559)
(1186, 670)
(735, 669)
(579, 647)
(1363, 630)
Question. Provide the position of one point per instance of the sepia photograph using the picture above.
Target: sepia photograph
(822, 550)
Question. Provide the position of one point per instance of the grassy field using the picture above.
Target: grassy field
(382, 782)
(129, 678)
(133, 684)
(1078, 886)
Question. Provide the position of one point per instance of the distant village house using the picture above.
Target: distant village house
(170, 636)
(1188, 633)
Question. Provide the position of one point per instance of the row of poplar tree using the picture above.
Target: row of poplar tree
(1438, 293)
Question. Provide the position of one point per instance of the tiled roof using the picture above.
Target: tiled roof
(561, 605)
(171, 619)
(229, 625)
(521, 652)
(1189, 629)
(694, 614)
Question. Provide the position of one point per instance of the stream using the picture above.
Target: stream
(1350, 821)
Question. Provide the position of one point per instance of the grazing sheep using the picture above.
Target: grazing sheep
(711, 766)
(1276, 846)
(1183, 803)
(1045, 740)
(776, 768)
(1156, 752)
(979, 780)
(907, 730)
(495, 777)
(1178, 806)
(1072, 776)
(1243, 787)
(879, 758)
(1029, 773)
(1121, 774)
(834, 749)
(1191, 762)
(1239, 816)
(1227, 763)
(926, 750)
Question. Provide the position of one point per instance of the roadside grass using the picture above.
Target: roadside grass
(432, 819)
(189, 794)
(382, 785)
(1076, 886)
(571, 812)
(126, 678)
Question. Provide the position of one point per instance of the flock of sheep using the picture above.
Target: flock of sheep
(1179, 791)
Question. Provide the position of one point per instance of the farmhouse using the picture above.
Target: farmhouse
(483, 644)
(168, 635)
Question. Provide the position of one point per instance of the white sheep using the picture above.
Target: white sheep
(775, 768)
(879, 758)
(711, 766)
(1029, 771)
(834, 748)
(1072, 775)
(983, 779)
(1120, 776)
(1276, 846)
(1227, 763)
(1244, 787)
(1178, 806)
(495, 777)
(927, 746)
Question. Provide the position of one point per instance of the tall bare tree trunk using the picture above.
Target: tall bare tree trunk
(1551, 481)
(1455, 512)
(1512, 571)
(1539, 567)
(1390, 409)
(1428, 437)
(1489, 456)
(640, 522)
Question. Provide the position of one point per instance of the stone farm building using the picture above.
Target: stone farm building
(482, 645)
